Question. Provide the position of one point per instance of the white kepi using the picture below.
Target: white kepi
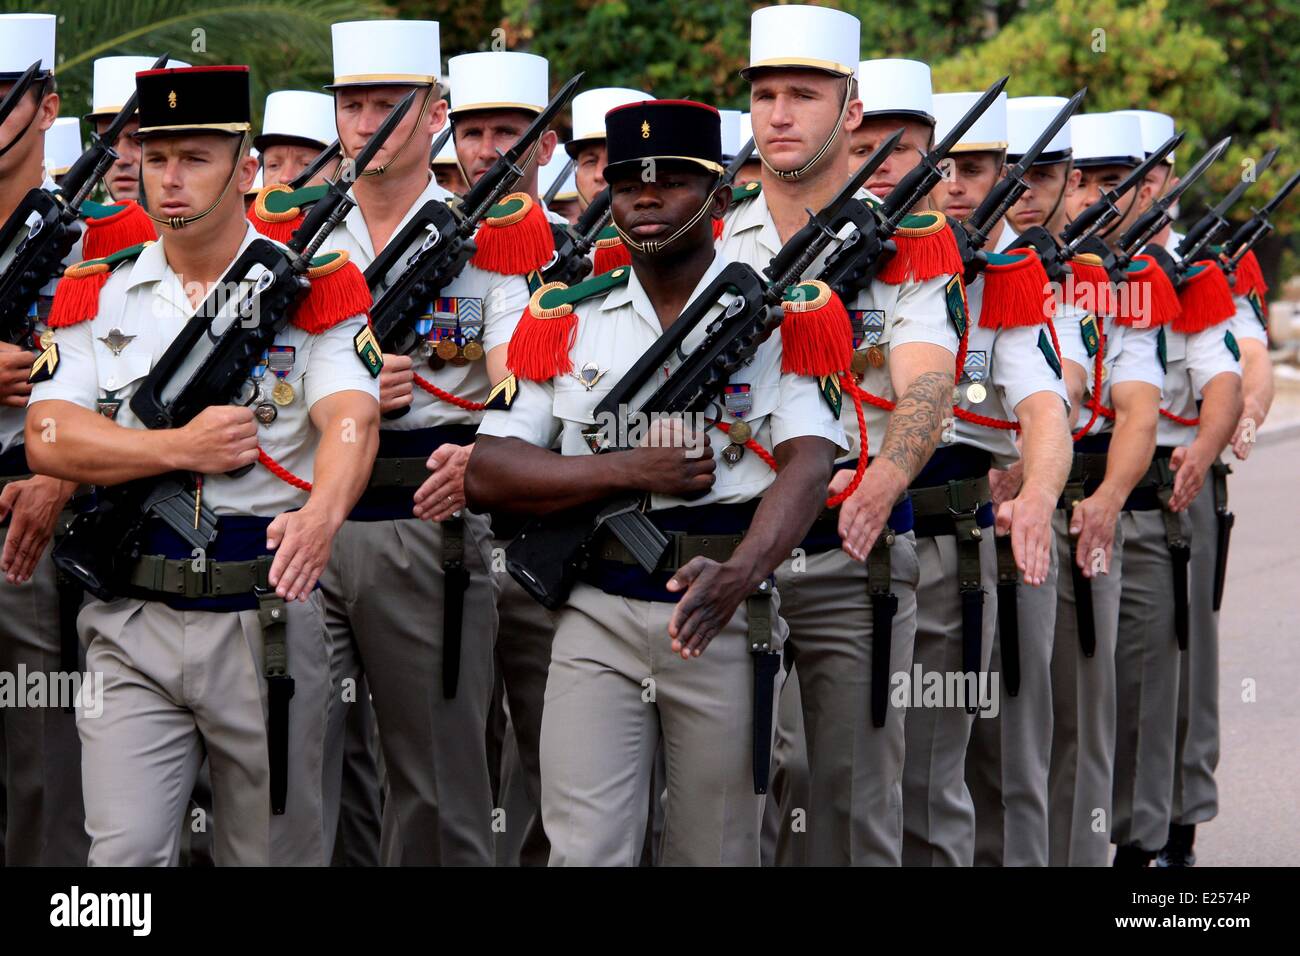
(893, 87)
(62, 145)
(25, 38)
(498, 81)
(589, 109)
(1106, 139)
(385, 52)
(114, 82)
(298, 117)
(1027, 117)
(988, 133)
(1157, 129)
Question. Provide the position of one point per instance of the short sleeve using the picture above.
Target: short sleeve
(921, 315)
(336, 365)
(1021, 365)
(74, 379)
(1212, 352)
(503, 305)
(1075, 330)
(530, 418)
(1139, 358)
(804, 412)
(1245, 324)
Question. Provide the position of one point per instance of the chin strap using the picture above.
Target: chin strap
(655, 246)
(424, 108)
(1060, 197)
(180, 222)
(796, 174)
(40, 95)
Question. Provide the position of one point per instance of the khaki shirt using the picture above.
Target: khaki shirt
(891, 315)
(1191, 362)
(614, 331)
(478, 300)
(142, 308)
(1009, 364)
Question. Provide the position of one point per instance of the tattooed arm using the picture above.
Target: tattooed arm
(923, 375)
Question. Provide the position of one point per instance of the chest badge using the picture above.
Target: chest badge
(109, 405)
(116, 340)
(589, 375)
(46, 339)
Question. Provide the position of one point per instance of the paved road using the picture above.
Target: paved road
(1259, 771)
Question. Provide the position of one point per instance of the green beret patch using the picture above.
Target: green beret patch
(1161, 351)
(1091, 335)
(832, 392)
(955, 295)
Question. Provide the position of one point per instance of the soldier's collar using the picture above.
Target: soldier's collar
(151, 265)
(633, 293)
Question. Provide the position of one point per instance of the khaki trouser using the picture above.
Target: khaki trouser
(179, 685)
(1196, 796)
(852, 800)
(614, 688)
(938, 813)
(1083, 712)
(1147, 661)
(384, 589)
(45, 821)
(351, 785)
(787, 845)
(523, 655)
(1009, 755)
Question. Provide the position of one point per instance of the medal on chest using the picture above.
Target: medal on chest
(739, 402)
(453, 330)
(280, 359)
(868, 329)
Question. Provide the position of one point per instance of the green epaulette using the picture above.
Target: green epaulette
(556, 295)
(281, 201)
(746, 191)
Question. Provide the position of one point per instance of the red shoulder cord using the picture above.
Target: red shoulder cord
(281, 472)
(1179, 418)
(1094, 404)
(288, 477)
(438, 393)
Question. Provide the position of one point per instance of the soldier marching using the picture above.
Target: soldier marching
(837, 483)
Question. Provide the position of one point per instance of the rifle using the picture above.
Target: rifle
(1255, 228)
(545, 557)
(974, 234)
(559, 181)
(323, 159)
(13, 98)
(1083, 234)
(1208, 228)
(208, 363)
(32, 254)
(867, 247)
(1136, 237)
(434, 246)
(439, 143)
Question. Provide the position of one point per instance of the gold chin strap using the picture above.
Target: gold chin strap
(424, 108)
(656, 246)
(797, 174)
(180, 222)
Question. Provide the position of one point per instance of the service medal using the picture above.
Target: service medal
(283, 393)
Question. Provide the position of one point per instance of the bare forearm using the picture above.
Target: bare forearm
(788, 507)
(1046, 448)
(1256, 379)
(1132, 444)
(344, 459)
(1219, 414)
(916, 423)
(75, 444)
(509, 474)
